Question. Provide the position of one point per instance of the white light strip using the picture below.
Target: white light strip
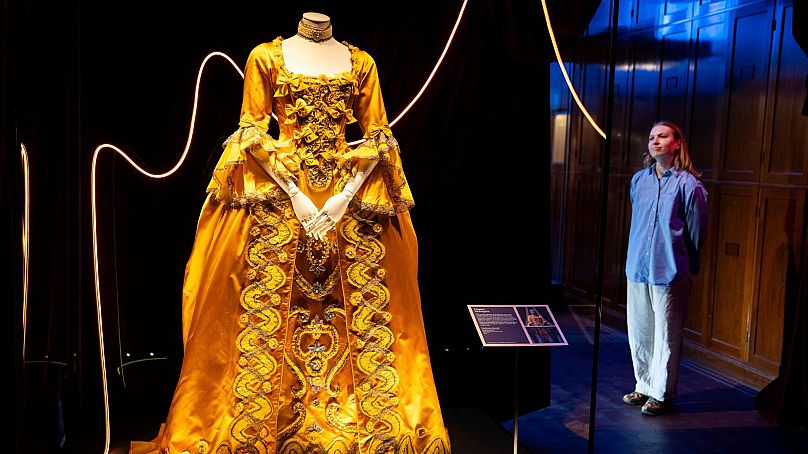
(431, 75)
(95, 231)
(564, 72)
(26, 223)
(437, 65)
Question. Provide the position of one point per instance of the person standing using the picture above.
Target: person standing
(668, 227)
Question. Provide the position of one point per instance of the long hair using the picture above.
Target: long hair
(681, 158)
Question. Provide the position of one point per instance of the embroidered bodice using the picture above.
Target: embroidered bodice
(313, 112)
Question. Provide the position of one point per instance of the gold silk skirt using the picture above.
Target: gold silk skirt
(293, 345)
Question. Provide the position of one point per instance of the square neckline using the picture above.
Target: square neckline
(349, 74)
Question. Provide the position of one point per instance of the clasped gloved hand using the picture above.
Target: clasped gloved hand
(304, 208)
(335, 207)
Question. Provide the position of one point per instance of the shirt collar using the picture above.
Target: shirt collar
(673, 171)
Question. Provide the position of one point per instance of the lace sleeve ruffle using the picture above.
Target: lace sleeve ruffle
(385, 190)
(240, 176)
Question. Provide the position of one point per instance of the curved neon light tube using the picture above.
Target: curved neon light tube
(95, 229)
(435, 69)
(171, 171)
(431, 75)
(25, 245)
(564, 72)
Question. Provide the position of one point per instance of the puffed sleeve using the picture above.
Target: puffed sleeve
(240, 173)
(385, 190)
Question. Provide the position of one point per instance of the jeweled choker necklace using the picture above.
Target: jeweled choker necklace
(312, 33)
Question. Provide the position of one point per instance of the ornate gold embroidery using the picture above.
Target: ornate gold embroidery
(277, 198)
(330, 313)
(378, 401)
(301, 390)
(317, 253)
(405, 446)
(317, 170)
(296, 445)
(317, 291)
(437, 446)
(299, 446)
(291, 429)
(319, 108)
(302, 314)
(260, 321)
(315, 355)
(333, 418)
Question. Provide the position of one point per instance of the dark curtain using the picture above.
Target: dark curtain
(79, 74)
(11, 207)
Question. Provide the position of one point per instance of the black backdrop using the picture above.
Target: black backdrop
(76, 75)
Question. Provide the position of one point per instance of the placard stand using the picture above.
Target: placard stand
(516, 326)
(516, 401)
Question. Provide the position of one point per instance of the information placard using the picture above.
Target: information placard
(516, 326)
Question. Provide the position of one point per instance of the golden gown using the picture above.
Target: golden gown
(293, 345)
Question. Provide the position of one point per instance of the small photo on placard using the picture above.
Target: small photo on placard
(516, 326)
(541, 326)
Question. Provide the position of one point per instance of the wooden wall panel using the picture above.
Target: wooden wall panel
(703, 8)
(626, 14)
(556, 222)
(701, 295)
(594, 99)
(733, 266)
(735, 83)
(708, 105)
(601, 21)
(584, 241)
(576, 119)
(646, 13)
(614, 265)
(645, 87)
(781, 217)
(787, 159)
(622, 79)
(676, 9)
(751, 41)
(674, 74)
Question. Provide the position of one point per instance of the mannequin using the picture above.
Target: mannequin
(314, 51)
(302, 325)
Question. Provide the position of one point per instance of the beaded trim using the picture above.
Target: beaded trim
(312, 33)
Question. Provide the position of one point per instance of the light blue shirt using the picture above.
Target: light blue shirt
(668, 226)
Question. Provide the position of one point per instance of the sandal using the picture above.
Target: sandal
(635, 398)
(655, 407)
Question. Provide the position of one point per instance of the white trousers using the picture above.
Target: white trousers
(655, 316)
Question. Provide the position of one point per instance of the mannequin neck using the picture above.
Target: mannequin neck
(315, 27)
(313, 50)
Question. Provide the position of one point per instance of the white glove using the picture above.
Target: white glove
(329, 215)
(337, 204)
(304, 208)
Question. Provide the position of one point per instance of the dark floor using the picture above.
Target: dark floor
(713, 414)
